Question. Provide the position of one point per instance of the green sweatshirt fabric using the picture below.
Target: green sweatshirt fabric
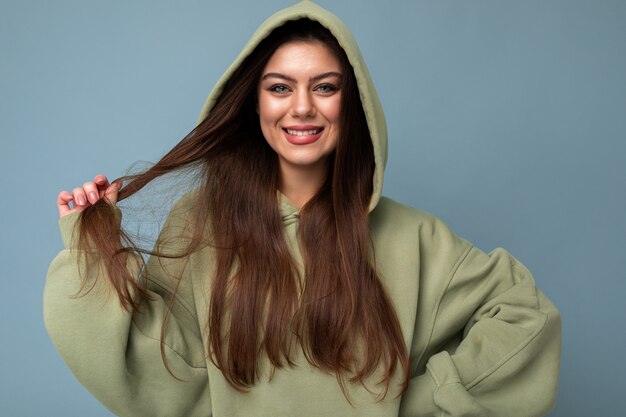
(483, 340)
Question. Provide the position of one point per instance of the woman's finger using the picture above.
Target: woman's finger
(63, 203)
(112, 191)
(80, 199)
(91, 191)
(100, 179)
(103, 183)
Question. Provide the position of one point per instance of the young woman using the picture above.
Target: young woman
(285, 284)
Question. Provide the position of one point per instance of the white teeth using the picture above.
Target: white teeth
(303, 132)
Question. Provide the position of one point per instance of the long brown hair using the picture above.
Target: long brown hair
(342, 317)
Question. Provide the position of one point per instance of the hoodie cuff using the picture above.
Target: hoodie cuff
(451, 396)
(442, 369)
(423, 397)
(69, 231)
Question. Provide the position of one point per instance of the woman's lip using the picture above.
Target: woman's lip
(303, 127)
(302, 139)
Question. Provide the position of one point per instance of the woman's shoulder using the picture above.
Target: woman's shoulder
(389, 207)
(391, 211)
(414, 226)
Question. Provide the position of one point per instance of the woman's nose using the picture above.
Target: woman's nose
(303, 105)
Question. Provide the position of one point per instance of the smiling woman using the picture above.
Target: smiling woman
(285, 284)
(299, 111)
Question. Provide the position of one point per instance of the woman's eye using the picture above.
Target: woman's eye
(279, 89)
(326, 88)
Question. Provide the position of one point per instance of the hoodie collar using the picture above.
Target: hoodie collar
(288, 209)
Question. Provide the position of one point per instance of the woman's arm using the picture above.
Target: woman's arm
(116, 355)
(495, 343)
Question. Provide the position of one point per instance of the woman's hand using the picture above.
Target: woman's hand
(89, 194)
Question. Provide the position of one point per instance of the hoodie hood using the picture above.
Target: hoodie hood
(369, 98)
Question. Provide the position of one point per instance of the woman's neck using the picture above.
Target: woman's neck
(299, 184)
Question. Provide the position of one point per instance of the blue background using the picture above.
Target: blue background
(506, 118)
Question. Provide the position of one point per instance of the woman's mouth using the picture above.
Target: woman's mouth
(302, 136)
(303, 132)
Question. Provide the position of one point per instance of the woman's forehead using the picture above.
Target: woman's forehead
(303, 57)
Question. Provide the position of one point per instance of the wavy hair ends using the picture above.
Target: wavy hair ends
(340, 316)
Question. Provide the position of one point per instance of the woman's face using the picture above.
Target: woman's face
(299, 102)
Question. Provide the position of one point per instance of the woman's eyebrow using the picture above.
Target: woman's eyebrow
(325, 75)
(293, 80)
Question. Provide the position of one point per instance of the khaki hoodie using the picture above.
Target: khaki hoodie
(483, 341)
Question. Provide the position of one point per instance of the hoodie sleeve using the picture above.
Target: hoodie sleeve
(494, 347)
(116, 355)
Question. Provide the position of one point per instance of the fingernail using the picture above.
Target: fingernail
(93, 197)
(80, 200)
